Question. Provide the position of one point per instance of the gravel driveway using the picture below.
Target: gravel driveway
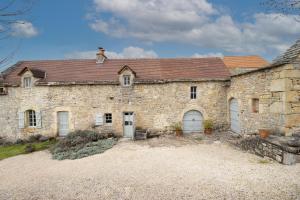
(154, 169)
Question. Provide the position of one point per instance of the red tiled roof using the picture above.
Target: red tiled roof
(244, 61)
(146, 69)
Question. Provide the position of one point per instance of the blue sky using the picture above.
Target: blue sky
(64, 29)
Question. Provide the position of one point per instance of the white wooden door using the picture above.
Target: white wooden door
(192, 122)
(63, 123)
(234, 116)
(129, 125)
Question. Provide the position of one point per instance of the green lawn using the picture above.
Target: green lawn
(17, 149)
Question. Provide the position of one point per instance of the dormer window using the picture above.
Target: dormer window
(126, 76)
(30, 75)
(126, 79)
(27, 82)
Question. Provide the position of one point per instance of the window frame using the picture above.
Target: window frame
(27, 82)
(126, 80)
(193, 92)
(31, 120)
(255, 105)
(108, 118)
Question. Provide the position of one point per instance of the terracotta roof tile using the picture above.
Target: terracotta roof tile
(145, 69)
(245, 61)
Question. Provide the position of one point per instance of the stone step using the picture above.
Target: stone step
(140, 135)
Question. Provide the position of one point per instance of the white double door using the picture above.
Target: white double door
(129, 126)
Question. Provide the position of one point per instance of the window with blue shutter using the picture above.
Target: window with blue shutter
(99, 119)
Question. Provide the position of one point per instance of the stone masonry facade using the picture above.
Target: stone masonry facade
(155, 106)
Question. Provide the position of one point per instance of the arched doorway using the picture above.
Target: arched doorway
(192, 122)
(234, 115)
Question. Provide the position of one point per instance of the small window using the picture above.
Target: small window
(126, 79)
(27, 82)
(108, 118)
(30, 118)
(193, 92)
(255, 105)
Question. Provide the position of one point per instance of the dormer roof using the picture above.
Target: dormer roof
(37, 73)
(126, 67)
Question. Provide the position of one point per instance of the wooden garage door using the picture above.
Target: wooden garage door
(192, 122)
(234, 116)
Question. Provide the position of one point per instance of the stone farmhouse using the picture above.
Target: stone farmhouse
(55, 97)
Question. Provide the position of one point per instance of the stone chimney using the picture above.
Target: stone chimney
(101, 55)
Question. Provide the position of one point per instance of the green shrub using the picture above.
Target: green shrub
(81, 151)
(81, 144)
(34, 138)
(20, 141)
(177, 126)
(208, 124)
(29, 148)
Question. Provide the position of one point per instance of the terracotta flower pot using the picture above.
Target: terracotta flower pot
(178, 133)
(208, 131)
(264, 133)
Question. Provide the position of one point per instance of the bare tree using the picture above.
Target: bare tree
(285, 7)
(12, 12)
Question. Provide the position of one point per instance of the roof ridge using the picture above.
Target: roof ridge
(245, 56)
(177, 58)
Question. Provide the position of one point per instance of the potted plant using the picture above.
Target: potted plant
(264, 132)
(208, 126)
(178, 129)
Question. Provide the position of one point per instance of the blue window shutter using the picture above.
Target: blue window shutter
(99, 119)
(38, 119)
(21, 118)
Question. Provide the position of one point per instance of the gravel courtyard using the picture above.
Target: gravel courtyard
(155, 169)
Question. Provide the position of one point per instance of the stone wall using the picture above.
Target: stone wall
(266, 148)
(278, 91)
(291, 102)
(155, 105)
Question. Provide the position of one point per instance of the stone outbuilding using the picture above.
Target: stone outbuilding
(240, 64)
(55, 97)
(268, 97)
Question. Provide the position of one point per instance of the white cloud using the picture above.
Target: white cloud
(208, 55)
(129, 52)
(81, 55)
(23, 29)
(133, 52)
(195, 22)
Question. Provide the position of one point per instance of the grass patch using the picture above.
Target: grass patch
(17, 149)
(198, 138)
(264, 161)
